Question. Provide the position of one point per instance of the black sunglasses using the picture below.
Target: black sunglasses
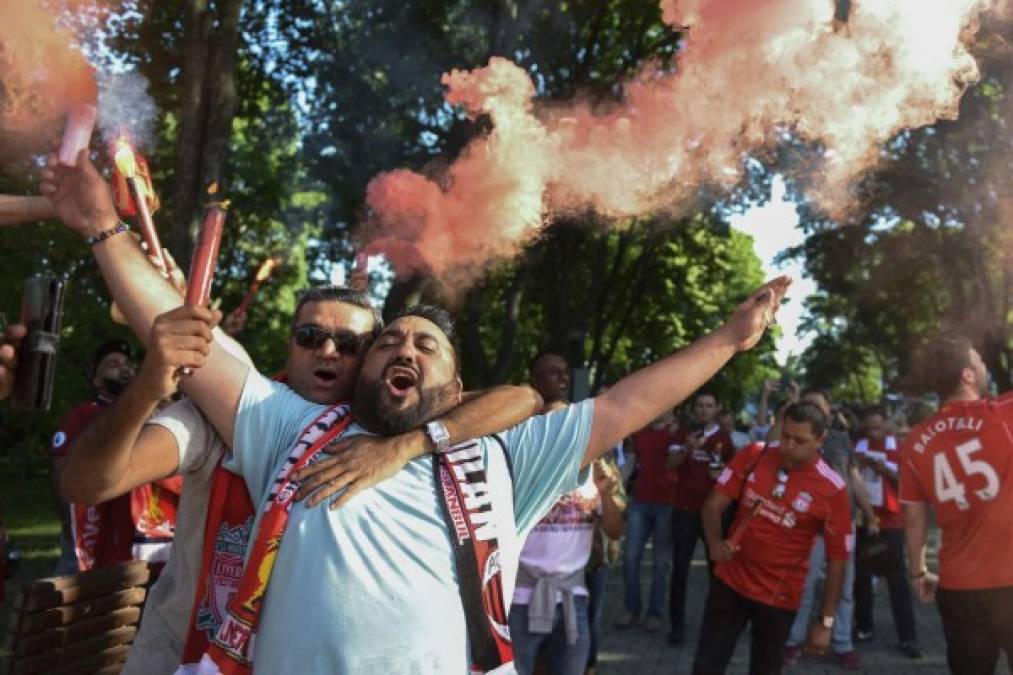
(311, 336)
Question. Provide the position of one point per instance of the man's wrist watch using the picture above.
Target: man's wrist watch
(827, 621)
(440, 437)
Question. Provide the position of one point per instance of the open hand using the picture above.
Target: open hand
(9, 358)
(747, 324)
(356, 464)
(81, 197)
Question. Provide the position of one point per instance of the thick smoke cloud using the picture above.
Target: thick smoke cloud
(748, 72)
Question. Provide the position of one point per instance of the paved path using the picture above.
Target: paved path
(637, 652)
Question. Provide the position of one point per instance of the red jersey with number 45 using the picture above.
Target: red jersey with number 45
(958, 461)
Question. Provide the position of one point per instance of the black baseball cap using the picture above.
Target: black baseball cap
(114, 346)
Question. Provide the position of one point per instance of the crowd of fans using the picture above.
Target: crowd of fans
(364, 504)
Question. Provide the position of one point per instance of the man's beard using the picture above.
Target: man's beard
(115, 385)
(369, 411)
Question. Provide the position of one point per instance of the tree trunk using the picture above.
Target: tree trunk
(208, 105)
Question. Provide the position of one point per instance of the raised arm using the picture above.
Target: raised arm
(82, 200)
(361, 462)
(117, 452)
(641, 397)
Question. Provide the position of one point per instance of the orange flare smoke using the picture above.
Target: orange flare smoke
(748, 71)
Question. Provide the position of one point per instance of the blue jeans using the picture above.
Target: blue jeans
(841, 636)
(596, 581)
(643, 520)
(563, 659)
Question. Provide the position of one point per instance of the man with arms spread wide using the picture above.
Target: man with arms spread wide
(391, 547)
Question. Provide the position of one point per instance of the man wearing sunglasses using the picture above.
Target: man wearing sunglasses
(787, 496)
(332, 328)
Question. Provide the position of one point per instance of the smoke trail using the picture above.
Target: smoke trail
(748, 72)
(126, 106)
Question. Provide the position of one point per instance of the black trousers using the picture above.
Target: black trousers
(725, 616)
(901, 603)
(977, 624)
(687, 530)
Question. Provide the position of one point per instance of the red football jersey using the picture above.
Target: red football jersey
(695, 480)
(958, 461)
(655, 482)
(772, 560)
(883, 493)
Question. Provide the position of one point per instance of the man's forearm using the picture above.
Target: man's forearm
(916, 535)
(710, 517)
(143, 294)
(833, 586)
(612, 521)
(101, 455)
(641, 397)
(490, 412)
(860, 493)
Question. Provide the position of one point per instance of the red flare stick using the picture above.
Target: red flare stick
(263, 274)
(134, 172)
(205, 255)
(77, 133)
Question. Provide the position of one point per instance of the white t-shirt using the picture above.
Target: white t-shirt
(158, 647)
(560, 544)
(372, 587)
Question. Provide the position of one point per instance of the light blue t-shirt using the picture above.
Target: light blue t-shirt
(372, 587)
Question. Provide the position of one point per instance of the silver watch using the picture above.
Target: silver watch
(438, 434)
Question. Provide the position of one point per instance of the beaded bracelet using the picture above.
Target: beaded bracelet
(105, 234)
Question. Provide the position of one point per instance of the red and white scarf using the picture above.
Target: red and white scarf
(461, 481)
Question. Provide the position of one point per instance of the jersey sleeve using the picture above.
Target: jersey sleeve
(1004, 406)
(729, 483)
(546, 452)
(837, 530)
(269, 419)
(911, 489)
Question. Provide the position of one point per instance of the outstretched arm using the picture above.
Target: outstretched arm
(82, 200)
(364, 461)
(641, 397)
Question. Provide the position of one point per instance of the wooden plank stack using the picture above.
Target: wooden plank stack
(81, 624)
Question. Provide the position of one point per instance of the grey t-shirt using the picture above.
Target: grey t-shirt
(158, 647)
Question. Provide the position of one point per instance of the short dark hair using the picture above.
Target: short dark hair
(349, 296)
(938, 365)
(440, 318)
(540, 355)
(874, 410)
(111, 346)
(816, 391)
(810, 413)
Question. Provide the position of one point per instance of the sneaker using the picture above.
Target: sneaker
(792, 655)
(849, 661)
(911, 649)
(653, 624)
(677, 637)
(863, 635)
(627, 621)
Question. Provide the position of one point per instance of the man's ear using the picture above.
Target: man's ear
(459, 389)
